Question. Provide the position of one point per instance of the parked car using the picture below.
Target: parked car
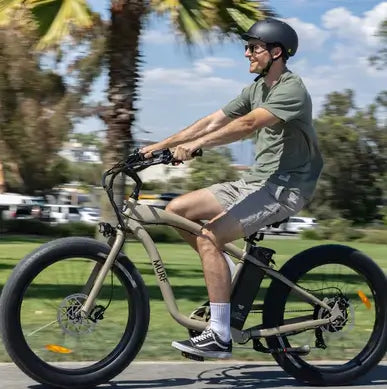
(90, 215)
(157, 200)
(295, 224)
(60, 213)
(17, 206)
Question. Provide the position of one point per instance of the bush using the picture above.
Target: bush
(383, 215)
(36, 227)
(30, 227)
(334, 229)
(375, 236)
(75, 229)
(164, 234)
(312, 234)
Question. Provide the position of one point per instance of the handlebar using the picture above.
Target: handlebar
(134, 164)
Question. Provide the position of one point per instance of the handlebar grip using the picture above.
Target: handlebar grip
(197, 153)
(158, 153)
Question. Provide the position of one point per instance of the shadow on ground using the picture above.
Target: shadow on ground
(238, 376)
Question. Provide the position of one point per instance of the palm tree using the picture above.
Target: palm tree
(190, 18)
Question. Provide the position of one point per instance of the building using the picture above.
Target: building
(77, 152)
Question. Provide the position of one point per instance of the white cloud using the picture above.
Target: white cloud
(158, 37)
(310, 36)
(341, 23)
(373, 20)
(194, 78)
(208, 65)
(365, 81)
(197, 78)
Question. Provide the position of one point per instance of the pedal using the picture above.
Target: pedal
(192, 356)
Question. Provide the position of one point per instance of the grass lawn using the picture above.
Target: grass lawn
(185, 275)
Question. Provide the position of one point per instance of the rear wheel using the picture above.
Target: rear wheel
(42, 327)
(341, 277)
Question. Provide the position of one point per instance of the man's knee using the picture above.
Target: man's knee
(208, 235)
(177, 207)
(223, 229)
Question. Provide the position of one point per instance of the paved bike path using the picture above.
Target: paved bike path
(195, 375)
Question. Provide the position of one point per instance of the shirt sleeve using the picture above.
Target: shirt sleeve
(287, 102)
(240, 106)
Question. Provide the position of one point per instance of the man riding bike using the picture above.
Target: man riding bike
(277, 109)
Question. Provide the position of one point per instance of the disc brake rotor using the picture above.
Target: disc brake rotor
(71, 318)
(343, 323)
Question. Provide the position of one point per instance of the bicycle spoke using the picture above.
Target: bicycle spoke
(334, 283)
(64, 334)
(42, 328)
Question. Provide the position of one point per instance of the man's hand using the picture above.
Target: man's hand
(184, 151)
(147, 150)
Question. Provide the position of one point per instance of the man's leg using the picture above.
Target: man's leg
(215, 342)
(197, 205)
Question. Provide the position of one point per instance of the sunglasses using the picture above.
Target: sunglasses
(252, 48)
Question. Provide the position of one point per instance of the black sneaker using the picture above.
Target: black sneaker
(207, 344)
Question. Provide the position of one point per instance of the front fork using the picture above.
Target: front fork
(98, 275)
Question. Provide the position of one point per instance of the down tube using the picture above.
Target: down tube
(162, 279)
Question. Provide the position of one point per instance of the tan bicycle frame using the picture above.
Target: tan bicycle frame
(136, 216)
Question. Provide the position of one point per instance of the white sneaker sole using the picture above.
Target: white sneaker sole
(200, 353)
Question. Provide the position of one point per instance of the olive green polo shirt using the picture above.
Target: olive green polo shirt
(286, 153)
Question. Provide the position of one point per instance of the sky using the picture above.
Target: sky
(336, 37)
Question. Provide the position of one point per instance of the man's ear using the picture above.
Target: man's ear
(276, 52)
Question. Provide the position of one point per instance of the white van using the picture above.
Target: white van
(294, 225)
(15, 205)
(60, 213)
(16, 199)
(298, 224)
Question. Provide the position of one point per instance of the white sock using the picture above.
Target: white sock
(230, 262)
(220, 320)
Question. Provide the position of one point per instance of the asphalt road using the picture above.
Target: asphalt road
(195, 375)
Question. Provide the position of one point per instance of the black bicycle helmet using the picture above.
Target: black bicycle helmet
(273, 31)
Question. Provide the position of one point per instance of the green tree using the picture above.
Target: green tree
(380, 58)
(85, 173)
(353, 144)
(379, 61)
(35, 113)
(214, 167)
(37, 106)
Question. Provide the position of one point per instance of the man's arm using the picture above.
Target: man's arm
(231, 132)
(202, 127)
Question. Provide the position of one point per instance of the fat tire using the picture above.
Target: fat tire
(277, 295)
(12, 297)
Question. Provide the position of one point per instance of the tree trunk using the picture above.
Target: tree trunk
(2, 179)
(124, 61)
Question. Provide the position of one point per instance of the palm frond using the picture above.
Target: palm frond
(5, 7)
(197, 19)
(55, 18)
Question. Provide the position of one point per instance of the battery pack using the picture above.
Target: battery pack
(247, 285)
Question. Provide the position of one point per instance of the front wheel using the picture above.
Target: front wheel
(356, 341)
(42, 329)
